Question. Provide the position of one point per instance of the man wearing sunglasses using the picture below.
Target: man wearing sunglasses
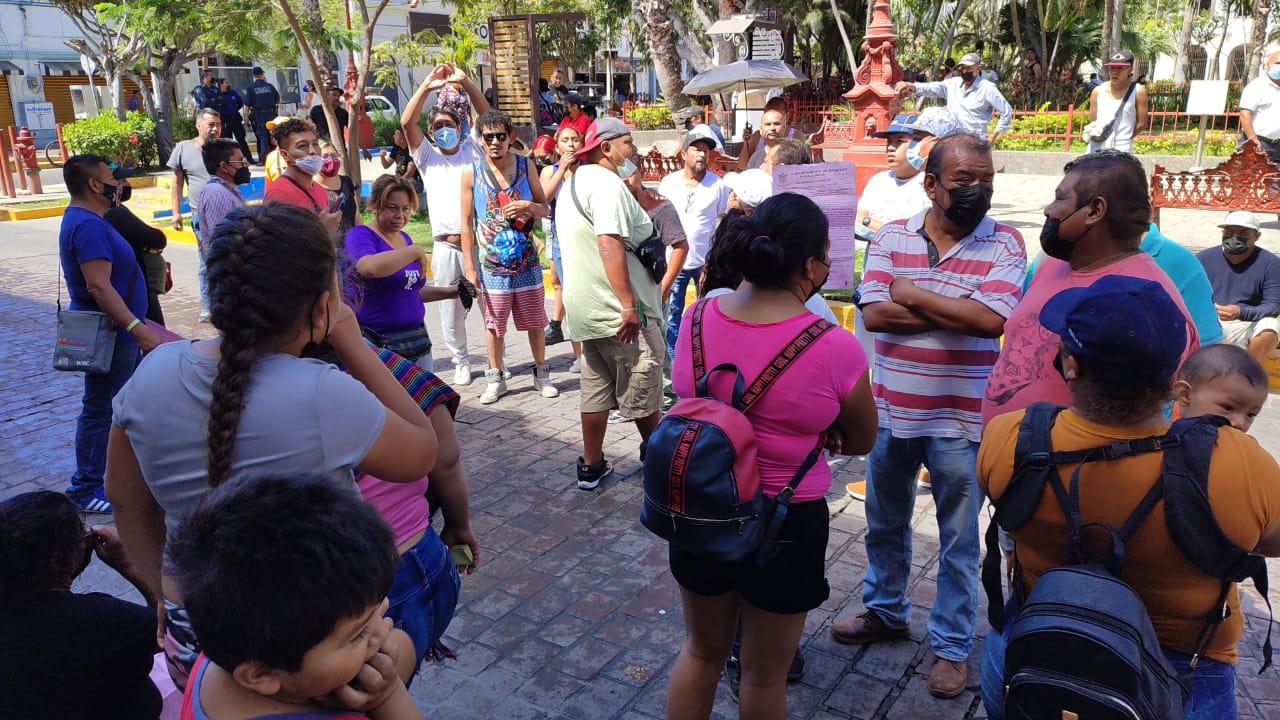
(501, 202)
(440, 159)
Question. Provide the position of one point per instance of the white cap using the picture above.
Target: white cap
(752, 186)
(701, 132)
(971, 59)
(1241, 218)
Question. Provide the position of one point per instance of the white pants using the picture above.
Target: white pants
(446, 268)
(1241, 332)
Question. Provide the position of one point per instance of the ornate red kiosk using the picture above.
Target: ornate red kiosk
(874, 95)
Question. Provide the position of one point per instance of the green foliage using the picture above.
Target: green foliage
(653, 117)
(1046, 123)
(384, 129)
(183, 126)
(424, 49)
(1216, 143)
(130, 142)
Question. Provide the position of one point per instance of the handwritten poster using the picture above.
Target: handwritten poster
(832, 186)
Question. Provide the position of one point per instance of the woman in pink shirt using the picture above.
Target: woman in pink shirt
(781, 253)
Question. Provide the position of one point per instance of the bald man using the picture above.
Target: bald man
(1260, 109)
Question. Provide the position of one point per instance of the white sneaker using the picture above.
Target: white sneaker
(203, 317)
(506, 374)
(496, 388)
(542, 381)
(576, 367)
(615, 417)
(461, 375)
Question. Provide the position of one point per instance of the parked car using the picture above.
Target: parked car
(378, 105)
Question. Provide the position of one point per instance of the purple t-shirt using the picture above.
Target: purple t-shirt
(388, 304)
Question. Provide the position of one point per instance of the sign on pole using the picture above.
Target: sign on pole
(40, 116)
(1206, 97)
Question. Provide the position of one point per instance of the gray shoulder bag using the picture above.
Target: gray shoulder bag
(86, 339)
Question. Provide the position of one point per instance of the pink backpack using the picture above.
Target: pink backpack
(701, 478)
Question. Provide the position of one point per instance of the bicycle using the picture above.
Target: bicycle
(50, 150)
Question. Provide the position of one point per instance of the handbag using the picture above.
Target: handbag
(652, 252)
(86, 340)
(412, 343)
(1092, 132)
(157, 272)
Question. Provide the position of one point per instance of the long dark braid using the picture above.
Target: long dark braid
(266, 267)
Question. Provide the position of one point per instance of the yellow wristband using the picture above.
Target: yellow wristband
(129, 328)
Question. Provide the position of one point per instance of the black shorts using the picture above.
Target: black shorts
(794, 581)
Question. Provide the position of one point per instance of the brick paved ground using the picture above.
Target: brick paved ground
(573, 613)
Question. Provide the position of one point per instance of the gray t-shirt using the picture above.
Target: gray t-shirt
(299, 415)
(188, 157)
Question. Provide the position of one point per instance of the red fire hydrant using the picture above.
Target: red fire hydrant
(26, 149)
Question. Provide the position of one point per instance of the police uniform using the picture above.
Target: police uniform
(263, 101)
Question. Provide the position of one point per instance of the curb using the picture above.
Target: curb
(16, 214)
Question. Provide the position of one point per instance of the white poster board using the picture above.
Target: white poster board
(40, 116)
(832, 185)
(1207, 97)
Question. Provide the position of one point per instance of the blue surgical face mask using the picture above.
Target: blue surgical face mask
(1274, 72)
(913, 155)
(627, 169)
(446, 138)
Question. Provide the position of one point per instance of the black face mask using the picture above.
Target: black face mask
(242, 176)
(1053, 244)
(109, 192)
(966, 76)
(1235, 245)
(969, 204)
(818, 287)
(320, 349)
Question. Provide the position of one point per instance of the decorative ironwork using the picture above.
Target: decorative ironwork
(1248, 180)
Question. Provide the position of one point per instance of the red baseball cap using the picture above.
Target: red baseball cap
(605, 128)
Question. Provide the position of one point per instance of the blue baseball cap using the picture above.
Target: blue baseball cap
(1121, 329)
(899, 125)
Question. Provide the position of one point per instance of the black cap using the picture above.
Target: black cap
(258, 71)
(120, 172)
(1122, 57)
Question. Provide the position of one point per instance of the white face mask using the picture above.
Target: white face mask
(626, 169)
(309, 164)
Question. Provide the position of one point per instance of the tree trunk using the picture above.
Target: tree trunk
(1184, 42)
(1117, 24)
(313, 65)
(656, 18)
(956, 13)
(1257, 38)
(1108, 25)
(325, 57)
(115, 88)
(1017, 29)
(725, 51)
(844, 36)
(1214, 71)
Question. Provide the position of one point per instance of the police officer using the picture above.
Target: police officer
(206, 94)
(264, 100)
(233, 112)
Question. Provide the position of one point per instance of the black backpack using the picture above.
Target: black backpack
(1082, 643)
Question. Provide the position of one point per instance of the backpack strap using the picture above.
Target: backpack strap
(696, 345)
(1195, 530)
(783, 360)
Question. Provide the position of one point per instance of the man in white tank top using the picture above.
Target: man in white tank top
(1114, 100)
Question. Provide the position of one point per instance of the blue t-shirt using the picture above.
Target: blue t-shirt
(1187, 275)
(86, 236)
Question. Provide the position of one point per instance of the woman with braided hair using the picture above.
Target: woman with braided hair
(253, 393)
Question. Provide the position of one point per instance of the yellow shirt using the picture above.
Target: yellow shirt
(1244, 493)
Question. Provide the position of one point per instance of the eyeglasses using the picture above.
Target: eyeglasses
(494, 137)
(239, 162)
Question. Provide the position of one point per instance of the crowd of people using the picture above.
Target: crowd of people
(312, 426)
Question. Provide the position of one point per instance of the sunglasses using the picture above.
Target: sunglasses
(494, 137)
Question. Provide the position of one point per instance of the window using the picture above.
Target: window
(1197, 62)
(1235, 64)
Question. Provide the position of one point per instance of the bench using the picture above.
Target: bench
(1247, 180)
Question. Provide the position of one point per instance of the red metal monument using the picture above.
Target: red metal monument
(874, 95)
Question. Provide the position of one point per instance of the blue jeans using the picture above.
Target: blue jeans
(1213, 687)
(200, 250)
(94, 424)
(891, 492)
(424, 593)
(676, 310)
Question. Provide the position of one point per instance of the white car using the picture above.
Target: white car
(381, 107)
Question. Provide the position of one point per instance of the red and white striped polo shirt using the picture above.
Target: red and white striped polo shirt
(931, 384)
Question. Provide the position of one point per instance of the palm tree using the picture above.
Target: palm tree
(656, 18)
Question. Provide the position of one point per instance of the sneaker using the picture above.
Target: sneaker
(922, 477)
(615, 417)
(496, 388)
(589, 476)
(461, 375)
(576, 366)
(203, 317)
(554, 333)
(733, 672)
(947, 678)
(866, 628)
(506, 374)
(95, 502)
(857, 490)
(542, 381)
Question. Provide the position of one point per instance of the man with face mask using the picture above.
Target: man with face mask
(1246, 285)
(298, 143)
(616, 309)
(970, 97)
(1260, 109)
(102, 275)
(187, 163)
(228, 169)
(937, 288)
(1093, 227)
(441, 159)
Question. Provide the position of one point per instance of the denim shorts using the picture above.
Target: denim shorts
(556, 259)
(424, 593)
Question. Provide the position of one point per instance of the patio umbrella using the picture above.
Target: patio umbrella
(744, 75)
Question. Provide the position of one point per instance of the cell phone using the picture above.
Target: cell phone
(338, 202)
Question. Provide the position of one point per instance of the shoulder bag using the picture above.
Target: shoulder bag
(1099, 134)
(86, 340)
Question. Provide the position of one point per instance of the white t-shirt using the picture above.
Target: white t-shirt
(442, 182)
(815, 305)
(699, 207)
(1262, 96)
(886, 198)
